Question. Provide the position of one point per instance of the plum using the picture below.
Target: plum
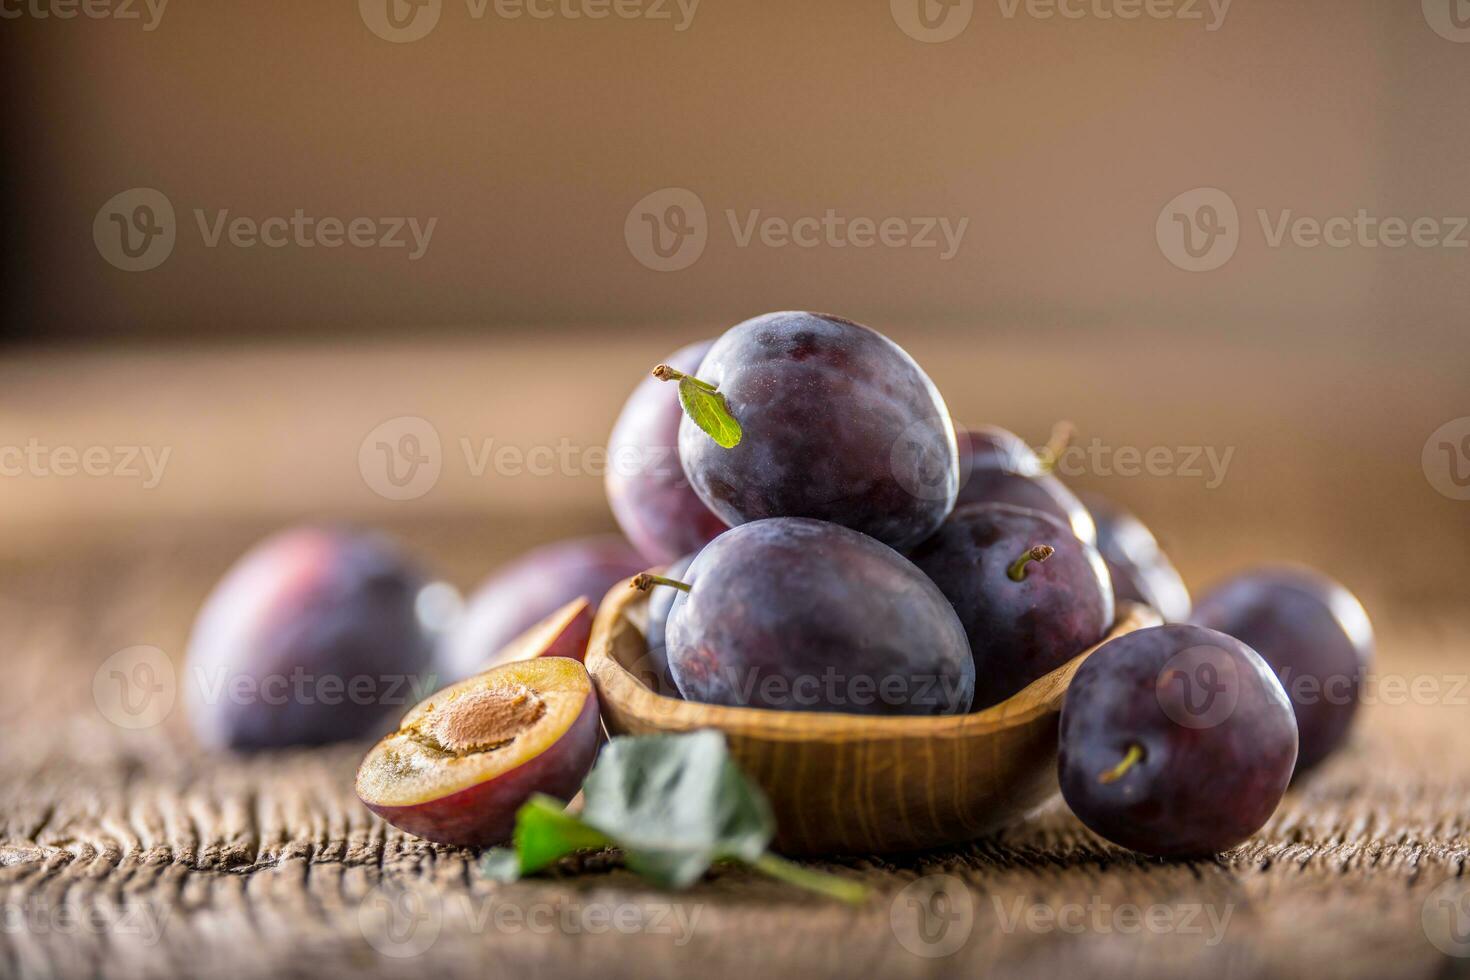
(997, 467)
(837, 423)
(1141, 571)
(312, 637)
(464, 760)
(660, 604)
(530, 588)
(562, 634)
(803, 615)
(1029, 593)
(1176, 741)
(646, 487)
(1315, 635)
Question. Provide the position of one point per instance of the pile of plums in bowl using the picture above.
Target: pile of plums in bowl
(909, 634)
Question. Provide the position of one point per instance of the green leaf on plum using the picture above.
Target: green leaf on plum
(708, 410)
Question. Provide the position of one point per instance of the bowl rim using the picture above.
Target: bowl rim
(617, 686)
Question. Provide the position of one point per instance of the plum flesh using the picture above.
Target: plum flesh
(839, 424)
(530, 588)
(1141, 571)
(1021, 621)
(464, 760)
(1314, 634)
(1175, 741)
(312, 637)
(646, 487)
(803, 615)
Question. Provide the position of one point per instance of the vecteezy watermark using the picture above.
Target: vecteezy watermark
(135, 688)
(936, 21)
(667, 230)
(1203, 919)
(148, 12)
(1198, 687)
(143, 921)
(1445, 917)
(137, 229)
(1450, 19)
(403, 21)
(401, 459)
(1207, 463)
(1199, 230)
(405, 920)
(1446, 459)
(932, 917)
(40, 461)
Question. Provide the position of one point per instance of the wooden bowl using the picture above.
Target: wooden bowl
(857, 784)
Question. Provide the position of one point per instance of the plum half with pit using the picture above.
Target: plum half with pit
(1141, 571)
(527, 590)
(1315, 635)
(837, 423)
(464, 760)
(1175, 741)
(312, 637)
(801, 615)
(997, 467)
(649, 494)
(1030, 594)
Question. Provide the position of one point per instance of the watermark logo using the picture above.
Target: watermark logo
(1198, 687)
(932, 21)
(916, 464)
(401, 459)
(135, 230)
(1445, 917)
(1446, 459)
(400, 21)
(1199, 230)
(135, 688)
(1450, 19)
(400, 921)
(933, 917)
(666, 231)
(40, 461)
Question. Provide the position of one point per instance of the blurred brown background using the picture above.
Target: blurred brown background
(531, 142)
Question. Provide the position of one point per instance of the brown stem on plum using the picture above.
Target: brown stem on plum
(1040, 553)
(646, 581)
(665, 373)
(1061, 437)
(1132, 758)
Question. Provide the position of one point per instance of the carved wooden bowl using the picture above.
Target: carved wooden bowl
(856, 784)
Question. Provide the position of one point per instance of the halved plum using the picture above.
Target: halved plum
(464, 760)
(562, 634)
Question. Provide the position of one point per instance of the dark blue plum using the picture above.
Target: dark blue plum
(1140, 569)
(997, 467)
(1315, 635)
(1175, 741)
(839, 425)
(527, 590)
(660, 604)
(803, 615)
(1025, 611)
(312, 637)
(646, 487)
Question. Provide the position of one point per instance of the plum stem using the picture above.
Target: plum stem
(1051, 453)
(665, 373)
(1040, 553)
(831, 886)
(1129, 760)
(646, 581)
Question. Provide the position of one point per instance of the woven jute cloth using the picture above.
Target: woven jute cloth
(130, 853)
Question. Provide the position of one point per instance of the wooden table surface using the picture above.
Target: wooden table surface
(132, 854)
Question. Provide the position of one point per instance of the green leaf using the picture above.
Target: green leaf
(545, 833)
(708, 410)
(675, 804)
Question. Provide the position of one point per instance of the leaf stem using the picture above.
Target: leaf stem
(646, 581)
(1040, 553)
(820, 882)
(665, 373)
